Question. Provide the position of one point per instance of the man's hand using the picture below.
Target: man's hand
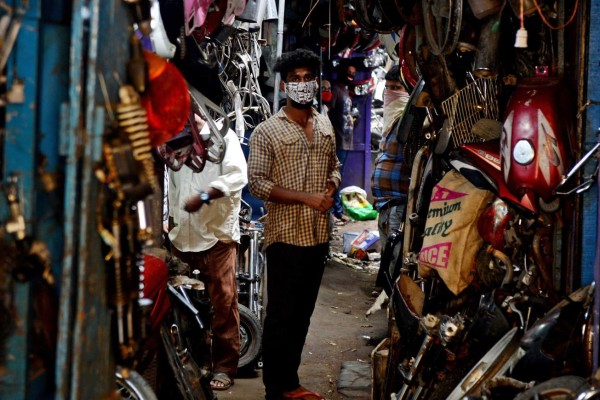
(319, 201)
(192, 204)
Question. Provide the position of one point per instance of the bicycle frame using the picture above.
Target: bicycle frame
(250, 269)
(250, 266)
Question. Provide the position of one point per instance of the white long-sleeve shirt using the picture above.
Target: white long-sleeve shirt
(217, 221)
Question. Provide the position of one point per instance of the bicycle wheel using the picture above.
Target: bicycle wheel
(442, 20)
(131, 385)
(250, 337)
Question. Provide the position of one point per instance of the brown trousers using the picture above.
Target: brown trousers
(217, 271)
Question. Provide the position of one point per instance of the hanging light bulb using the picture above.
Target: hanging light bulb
(521, 39)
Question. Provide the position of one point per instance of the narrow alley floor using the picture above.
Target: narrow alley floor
(340, 334)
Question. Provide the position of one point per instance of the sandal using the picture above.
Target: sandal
(341, 221)
(301, 394)
(221, 381)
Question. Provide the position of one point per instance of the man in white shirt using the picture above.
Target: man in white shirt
(203, 213)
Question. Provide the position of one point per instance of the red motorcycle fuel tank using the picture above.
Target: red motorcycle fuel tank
(535, 150)
(155, 278)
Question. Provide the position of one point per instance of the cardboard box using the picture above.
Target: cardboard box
(347, 240)
(360, 244)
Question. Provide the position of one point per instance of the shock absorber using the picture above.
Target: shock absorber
(133, 123)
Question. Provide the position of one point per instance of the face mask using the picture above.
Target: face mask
(326, 96)
(390, 95)
(301, 92)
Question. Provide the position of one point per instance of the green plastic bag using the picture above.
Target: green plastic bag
(354, 200)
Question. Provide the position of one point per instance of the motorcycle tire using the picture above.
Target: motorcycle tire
(132, 386)
(562, 387)
(250, 338)
(188, 377)
(495, 362)
(442, 29)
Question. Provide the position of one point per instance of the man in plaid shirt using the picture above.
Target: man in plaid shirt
(292, 166)
(389, 182)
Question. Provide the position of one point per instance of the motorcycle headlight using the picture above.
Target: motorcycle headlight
(523, 152)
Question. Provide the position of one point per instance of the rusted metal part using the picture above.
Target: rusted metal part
(99, 47)
(19, 157)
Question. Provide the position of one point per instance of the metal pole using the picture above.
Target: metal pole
(280, 16)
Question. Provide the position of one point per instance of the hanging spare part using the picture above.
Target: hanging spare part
(443, 21)
(167, 101)
(160, 41)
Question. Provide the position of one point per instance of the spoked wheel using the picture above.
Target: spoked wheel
(132, 386)
(188, 376)
(250, 337)
(442, 20)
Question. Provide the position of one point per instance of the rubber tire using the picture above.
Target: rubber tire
(135, 385)
(181, 374)
(555, 388)
(451, 30)
(250, 337)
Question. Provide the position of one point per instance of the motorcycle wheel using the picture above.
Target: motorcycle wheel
(132, 386)
(250, 337)
(495, 362)
(563, 387)
(188, 377)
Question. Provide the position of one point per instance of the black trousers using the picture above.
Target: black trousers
(293, 278)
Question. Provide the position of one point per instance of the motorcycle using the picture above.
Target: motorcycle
(558, 353)
(446, 332)
(558, 344)
(179, 310)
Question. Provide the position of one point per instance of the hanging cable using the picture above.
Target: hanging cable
(329, 34)
(521, 14)
(539, 9)
(521, 39)
(310, 12)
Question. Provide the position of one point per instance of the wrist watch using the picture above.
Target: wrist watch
(204, 197)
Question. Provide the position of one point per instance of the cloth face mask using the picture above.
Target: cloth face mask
(390, 95)
(301, 92)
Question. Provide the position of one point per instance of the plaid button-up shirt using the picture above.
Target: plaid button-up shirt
(390, 174)
(281, 155)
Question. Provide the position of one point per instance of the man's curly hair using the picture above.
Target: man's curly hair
(297, 59)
